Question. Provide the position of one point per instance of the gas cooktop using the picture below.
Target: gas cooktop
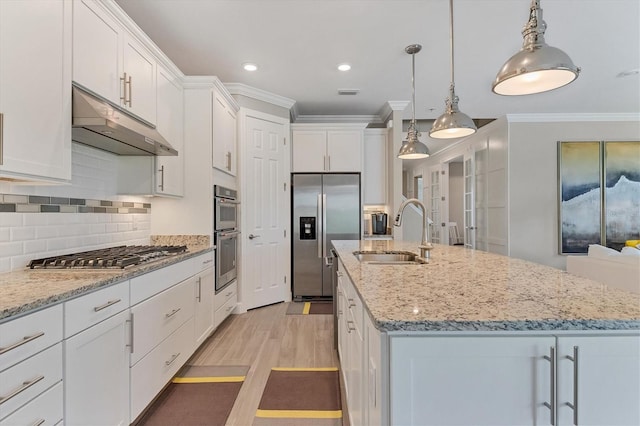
(113, 258)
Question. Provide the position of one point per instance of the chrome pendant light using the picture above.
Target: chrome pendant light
(412, 148)
(453, 123)
(537, 67)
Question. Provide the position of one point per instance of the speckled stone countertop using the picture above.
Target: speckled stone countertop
(469, 290)
(28, 290)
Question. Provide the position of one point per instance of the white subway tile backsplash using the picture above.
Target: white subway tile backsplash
(35, 219)
(46, 232)
(10, 249)
(35, 246)
(5, 264)
(23, 233)
(11, 219)
(125, 227)
(5, 235)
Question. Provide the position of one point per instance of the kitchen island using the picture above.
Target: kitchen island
(477, 338)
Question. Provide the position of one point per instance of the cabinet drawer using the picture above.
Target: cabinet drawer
(149, 376)
(225, 310)
(158, 317)
(90, 309)
(23, 382)
(25, 336)
(203, 262)
(224, 296)
(45, 410)
(147, 285)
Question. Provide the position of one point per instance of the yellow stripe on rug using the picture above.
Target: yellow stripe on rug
(307, 308)
(230, 379)
(304, 369)
(299, 414)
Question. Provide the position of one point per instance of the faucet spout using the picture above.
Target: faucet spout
(425, 246)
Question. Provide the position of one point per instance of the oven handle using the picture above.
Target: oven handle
(228, 233)
(227, 201)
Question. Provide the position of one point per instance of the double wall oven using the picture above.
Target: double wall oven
(225, 235)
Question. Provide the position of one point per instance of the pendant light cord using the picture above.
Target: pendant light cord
(413, 87)
(451, 38)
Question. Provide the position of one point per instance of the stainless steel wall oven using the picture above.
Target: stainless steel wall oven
(225, 235)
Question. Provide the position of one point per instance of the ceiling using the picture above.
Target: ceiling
(299, 43)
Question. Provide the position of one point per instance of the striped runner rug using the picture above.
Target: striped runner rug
(198, 395)
(310, 308)
(301, 397)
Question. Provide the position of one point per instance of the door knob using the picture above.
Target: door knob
(251, 236)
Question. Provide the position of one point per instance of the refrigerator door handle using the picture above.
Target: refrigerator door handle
(324, 225)
(320, 230)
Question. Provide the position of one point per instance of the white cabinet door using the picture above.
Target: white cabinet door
(470, 380)
(372, 390)
(374, 167)
(309, 151)
(170, 169)
(110, 62)
(606, 388)
(204, 293)
(35, 90)
(224, 136)
(344, 150)
(96, 50)
(96, 381)
(140, 83)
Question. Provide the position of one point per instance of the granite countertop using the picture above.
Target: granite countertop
(468, 290)
(29, 289)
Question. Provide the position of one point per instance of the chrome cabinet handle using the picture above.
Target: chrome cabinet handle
(228, 160)
(173, 358)
(38, 422)
(251, 236)
(339, 273)
(123, 97)
(351, 303)
(574, 405)
(349, 329)
(552, 388)
(206, 262)
(199, 289)
(228, 294)
(328, 261)
(130, 345)
(24, 340)
(130, 91)
(172, 313)
(106, 305)
(230, 308)
(161, 186)
(25, 385)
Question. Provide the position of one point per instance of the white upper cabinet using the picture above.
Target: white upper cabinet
(374, 167)
(327, 148)
(170, 169)
(224, 135)
(35, 90)
(111, 62)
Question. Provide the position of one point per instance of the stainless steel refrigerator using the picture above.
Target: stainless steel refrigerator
(326, 207)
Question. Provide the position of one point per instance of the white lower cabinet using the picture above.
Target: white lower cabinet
(600, 376)
(204, 294)
(45, 410)
(97, 374)
(470, 380)
(225, 302)
(152, 373)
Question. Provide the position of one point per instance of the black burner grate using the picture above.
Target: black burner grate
(113, 257)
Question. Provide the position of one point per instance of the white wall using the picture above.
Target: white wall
(27, 236)
(533, 177)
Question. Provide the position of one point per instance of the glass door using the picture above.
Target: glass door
(468, 173)
(434, 205)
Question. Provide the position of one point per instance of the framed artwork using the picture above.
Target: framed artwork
(598, 194)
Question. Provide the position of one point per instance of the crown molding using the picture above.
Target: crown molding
(210, 82)
(562, 117)
(338, 119)
(259, 94)
(390, 106)
(329, 125)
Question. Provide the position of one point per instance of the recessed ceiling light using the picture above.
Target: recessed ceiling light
(249, 66)
(344, 67)
(627, 73)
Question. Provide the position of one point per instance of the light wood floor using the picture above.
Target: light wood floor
(264, 338)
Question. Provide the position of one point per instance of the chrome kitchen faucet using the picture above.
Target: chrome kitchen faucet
(425, 246)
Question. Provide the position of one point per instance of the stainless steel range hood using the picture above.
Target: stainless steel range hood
(98, 123)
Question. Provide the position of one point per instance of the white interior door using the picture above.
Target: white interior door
(435, 212)
(481, 196)
(265, 211)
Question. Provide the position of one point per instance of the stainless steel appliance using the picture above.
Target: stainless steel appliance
(98, 123)
(112, 258)
(326, 207)
(225, 208)
(225, 235)
(379, 223)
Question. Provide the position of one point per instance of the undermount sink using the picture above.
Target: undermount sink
(389, 257)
